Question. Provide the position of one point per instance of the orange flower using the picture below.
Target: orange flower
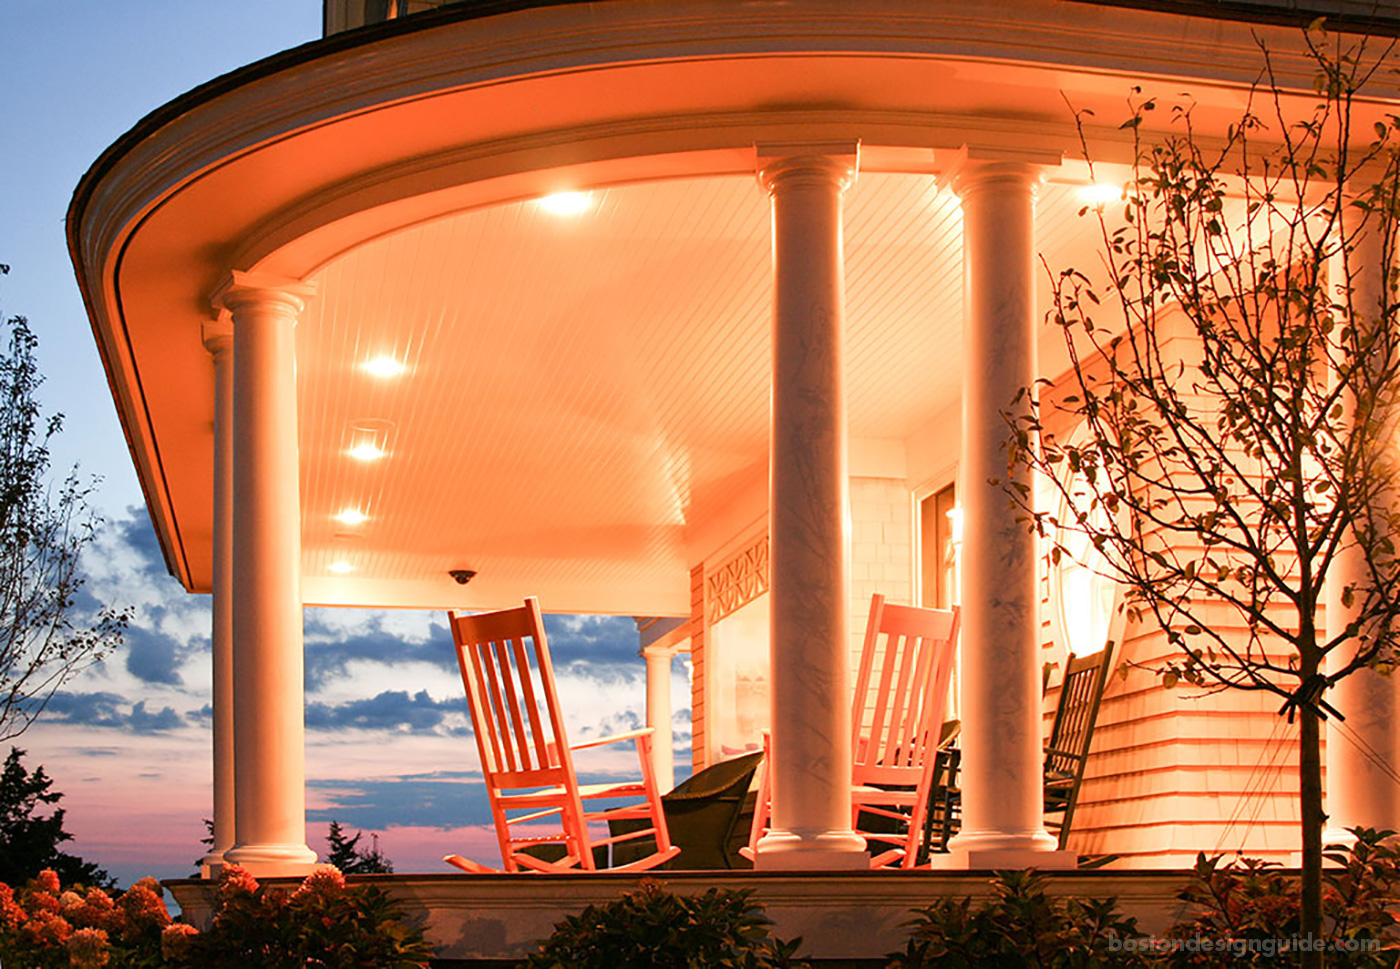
(143, 907)
(45, 881)
(235, 880)
(100, 912)
(11, 915)
(176, 941)
(87, 948)
(45, 929)
(326, 882)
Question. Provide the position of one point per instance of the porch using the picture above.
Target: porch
(443, 377)
(845, 918)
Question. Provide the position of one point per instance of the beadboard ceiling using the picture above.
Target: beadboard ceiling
(581, 390)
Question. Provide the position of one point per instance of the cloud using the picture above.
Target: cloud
(154, 657)
(390, 710)
(109, 710)
(442, 799)
(330, 651)
(600, 640)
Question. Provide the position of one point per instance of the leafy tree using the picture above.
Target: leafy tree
(1236, 377)
(29, 842)
(43, 531)
(347, 855)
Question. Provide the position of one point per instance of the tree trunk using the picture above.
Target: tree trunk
(1310, 803)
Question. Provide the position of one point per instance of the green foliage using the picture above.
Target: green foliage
(43, 531)
(1257, 906)
(29, 842)
(45, 927)
(654, 929)
(324, 922)
(347, 855)
(1020, 927)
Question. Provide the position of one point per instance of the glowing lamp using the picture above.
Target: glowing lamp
(383, 367)
(566, 203)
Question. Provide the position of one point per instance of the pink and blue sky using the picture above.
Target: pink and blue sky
(389, 746)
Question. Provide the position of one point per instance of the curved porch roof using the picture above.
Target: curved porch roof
(584, 407)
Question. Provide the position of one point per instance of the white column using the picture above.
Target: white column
(268, 703)
(218, 339)
(809, 519)
(659, 713)
(1001, 780)
(1358, 791)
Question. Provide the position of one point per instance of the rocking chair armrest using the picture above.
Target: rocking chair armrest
(626, 735)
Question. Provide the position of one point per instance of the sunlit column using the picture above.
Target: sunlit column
(218, 339)
(659, 713)
(808, 514)
(1003, 815)
(1360, 789)
(268, 705)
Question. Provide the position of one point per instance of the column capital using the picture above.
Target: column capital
(974, 167)
(217, 335)
(658, 651)
(828, 161)
(241, 289)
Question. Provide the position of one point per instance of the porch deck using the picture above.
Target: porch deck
(844, 918)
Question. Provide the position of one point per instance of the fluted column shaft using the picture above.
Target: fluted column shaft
(808, 514)
(1001, 737)
(268, 702)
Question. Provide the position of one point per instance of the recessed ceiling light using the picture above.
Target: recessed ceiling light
(385, 366)
(352, 516)
(341, 567)
(1101, 193)
(366, 451)
(566, 203)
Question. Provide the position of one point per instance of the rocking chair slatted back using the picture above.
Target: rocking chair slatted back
(897, 723)
(506, 668)
(1071, 734)
(901, 691)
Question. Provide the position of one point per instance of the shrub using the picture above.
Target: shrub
(1253, 904)
(324, 922)
(654, 929)
(43, 926)
(1020, 927)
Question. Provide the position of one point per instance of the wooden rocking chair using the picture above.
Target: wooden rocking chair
(1066, 754)
(897, 724)
(1071, 733)
(901, 695)
(527, 761)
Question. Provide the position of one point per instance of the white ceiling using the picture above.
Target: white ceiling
(582, 390)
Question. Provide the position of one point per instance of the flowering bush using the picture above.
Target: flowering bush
(323, 922)
(41, 925)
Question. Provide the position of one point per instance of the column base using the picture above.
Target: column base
(211, 864)
(1000, 849)
(273, 861)
(827, 851)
